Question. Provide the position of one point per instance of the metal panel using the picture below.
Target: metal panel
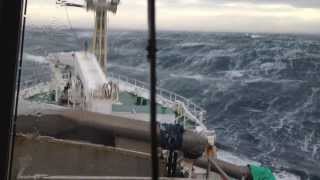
(10, 21)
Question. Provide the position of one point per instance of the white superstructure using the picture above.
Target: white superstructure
(86, 84)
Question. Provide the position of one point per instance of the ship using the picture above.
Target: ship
(88, 123)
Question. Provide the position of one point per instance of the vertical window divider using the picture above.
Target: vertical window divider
(151, 48)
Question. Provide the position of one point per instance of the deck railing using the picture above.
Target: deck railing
(164, 97)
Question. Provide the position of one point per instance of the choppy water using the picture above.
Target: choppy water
(262, 92)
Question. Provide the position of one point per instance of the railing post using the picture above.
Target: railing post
(188, 103)
(195, 111)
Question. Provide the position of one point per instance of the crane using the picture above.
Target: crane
(101, 9)
(83, 75)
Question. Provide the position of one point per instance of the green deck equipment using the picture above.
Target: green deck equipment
(261, 173)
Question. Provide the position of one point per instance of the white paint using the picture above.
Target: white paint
(89, 71)
(103, 106)
(163, 118)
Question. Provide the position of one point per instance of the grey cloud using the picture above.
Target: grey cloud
(295, 3)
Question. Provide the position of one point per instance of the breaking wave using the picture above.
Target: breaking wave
(262, 93)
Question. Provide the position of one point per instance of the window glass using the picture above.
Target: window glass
(80, 113)
(253, 66)
(237, 90)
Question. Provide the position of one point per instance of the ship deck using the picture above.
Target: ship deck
(127, 103)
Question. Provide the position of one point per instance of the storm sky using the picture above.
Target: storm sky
(279, 16)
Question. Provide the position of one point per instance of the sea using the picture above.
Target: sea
(261, 91)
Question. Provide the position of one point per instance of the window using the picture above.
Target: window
(234, 94)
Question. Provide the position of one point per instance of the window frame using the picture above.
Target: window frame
(12, 21)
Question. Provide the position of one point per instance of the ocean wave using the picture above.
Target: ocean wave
(260, 93)
(34, 58)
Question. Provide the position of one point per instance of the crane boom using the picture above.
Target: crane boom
(101, 8)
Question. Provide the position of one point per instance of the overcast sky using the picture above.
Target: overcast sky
(292, 16)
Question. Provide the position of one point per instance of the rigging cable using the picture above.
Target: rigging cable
(70, 25)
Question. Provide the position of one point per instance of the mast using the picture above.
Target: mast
(99, 41)
(99, 46)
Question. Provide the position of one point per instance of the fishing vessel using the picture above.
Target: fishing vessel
(88, 123)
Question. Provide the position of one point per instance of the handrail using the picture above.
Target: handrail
(196, 112)
(38, 88)
(192, 110)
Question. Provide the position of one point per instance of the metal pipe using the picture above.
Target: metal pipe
(99, 128)
(221, 172)
(232, 170)
(46, 177)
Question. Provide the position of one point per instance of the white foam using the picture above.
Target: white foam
(34, 58)
(236, 159)
(244, 161)
(283, 175)
(272, 66)
(198, 77)
(234, 74)
(192, 44)
(255, 36)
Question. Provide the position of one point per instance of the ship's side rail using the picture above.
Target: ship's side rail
(164, 97)
(39, 88)
(25, 83)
